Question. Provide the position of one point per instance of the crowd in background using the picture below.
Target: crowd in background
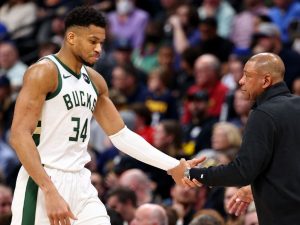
(172, 67)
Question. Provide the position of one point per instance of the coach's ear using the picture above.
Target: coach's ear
(267, 81)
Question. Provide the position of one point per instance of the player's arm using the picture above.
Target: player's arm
(39, 79)
(124, 139)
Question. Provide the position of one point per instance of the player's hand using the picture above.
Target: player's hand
(177, 172)
(58, 210)
(193, 163)
(240, 201)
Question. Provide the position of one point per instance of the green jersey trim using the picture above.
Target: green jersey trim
(37, 133)
(94, 86)
(59, 86)
(68, 68)
(29, 207)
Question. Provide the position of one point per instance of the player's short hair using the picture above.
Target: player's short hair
(85, 16)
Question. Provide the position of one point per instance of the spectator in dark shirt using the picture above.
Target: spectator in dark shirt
(267, 39)
(159, 98)
(211, 42)
(126, 80)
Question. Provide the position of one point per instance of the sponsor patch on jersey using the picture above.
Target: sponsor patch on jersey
(86, 78)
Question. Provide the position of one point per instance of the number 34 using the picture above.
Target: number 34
(77, 129)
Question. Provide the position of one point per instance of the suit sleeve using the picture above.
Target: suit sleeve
(253, 158)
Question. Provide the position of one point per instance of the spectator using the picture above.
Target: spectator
(115, 217)
(7, 105)
(172, 215)
(150, 214)
(185, 77)
(231, 219)
(213, 43)
(244, 24)
(182, 26)
(138, 182)
(143, 122)
(166, 61)
(207, 78)
(47, 48)
(48, 10)
(183, 200)
(296, 86)
(128, 22)
(5, 200)
(12, 66)
(222, 11)
(294, 34)
(231, 79)
(226, 139)
(98, 182)
(125, 80)
(251, 215)
(159, 99)
(124, 201)
(267, 39)
(120, 55)
(199, 130)
(145, 57)
(207, 217)
(168, 138)
(242, 109)
(282, 14)
(18, 16)
(168, 8)
(235, 72)
(9, 163)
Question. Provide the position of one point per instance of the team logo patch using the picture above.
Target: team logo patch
(86, 78)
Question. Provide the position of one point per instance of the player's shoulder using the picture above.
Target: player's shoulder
(43, 72)
(97, 79)
(43, 67)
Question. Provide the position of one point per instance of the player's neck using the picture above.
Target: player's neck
(69, 60)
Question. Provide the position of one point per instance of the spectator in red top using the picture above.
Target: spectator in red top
(143, 121)
(207, 70)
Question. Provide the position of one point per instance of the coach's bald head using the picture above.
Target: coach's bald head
(260, 72)
(269, 63)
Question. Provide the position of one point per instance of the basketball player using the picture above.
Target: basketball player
(59, 96)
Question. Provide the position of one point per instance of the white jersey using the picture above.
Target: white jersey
(63, 132)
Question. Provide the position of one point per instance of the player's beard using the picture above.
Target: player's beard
(86, 63)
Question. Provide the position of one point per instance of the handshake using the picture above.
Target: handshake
(238, 203)
(180, 173)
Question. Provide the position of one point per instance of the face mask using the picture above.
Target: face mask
(124, 7)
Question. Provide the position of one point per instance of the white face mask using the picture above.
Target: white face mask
(124, 7)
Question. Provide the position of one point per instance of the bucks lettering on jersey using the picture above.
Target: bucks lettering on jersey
(63, 132)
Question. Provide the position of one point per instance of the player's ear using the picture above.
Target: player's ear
(70, 36)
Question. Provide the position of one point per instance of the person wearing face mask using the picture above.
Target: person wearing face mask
(128, 22)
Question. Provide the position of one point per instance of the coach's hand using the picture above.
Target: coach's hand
(240, 201)
(58, 210)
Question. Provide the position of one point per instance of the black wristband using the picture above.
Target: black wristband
(199, 174)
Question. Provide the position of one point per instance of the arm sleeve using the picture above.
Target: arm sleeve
(253, 158)
(135, 146)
